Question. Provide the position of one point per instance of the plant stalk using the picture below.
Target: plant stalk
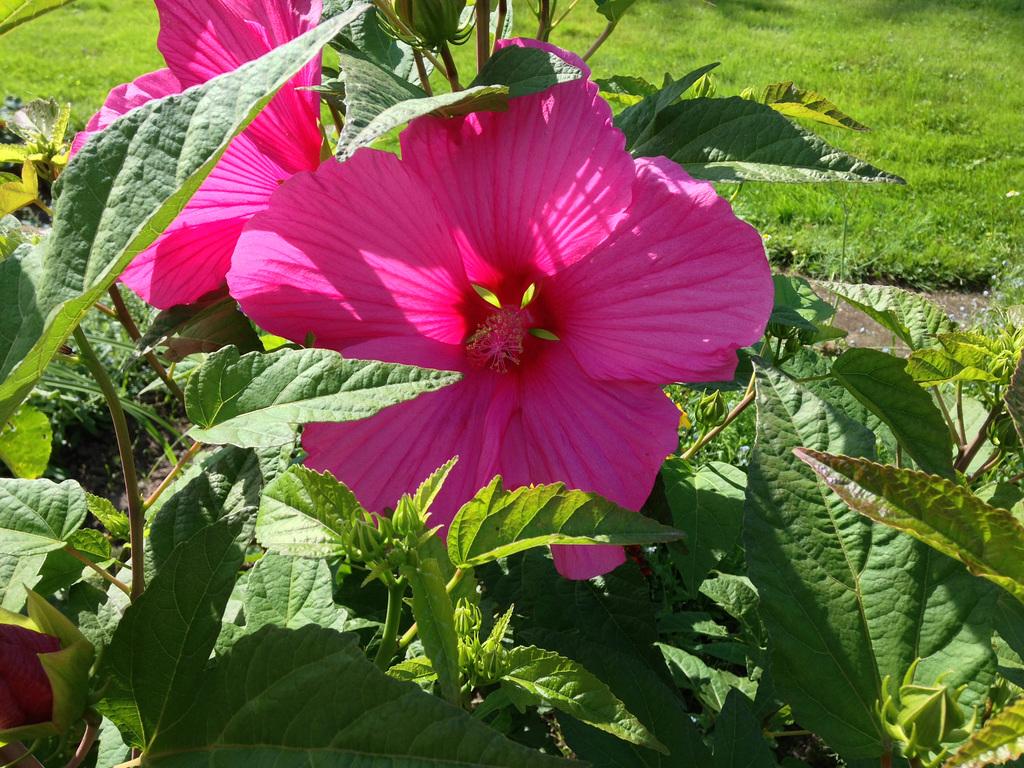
(185, 459)
(389, 640)
(125, 317)
(502, 13)
(600, 40)
(136, 513)
(102, 572)
(483, 33)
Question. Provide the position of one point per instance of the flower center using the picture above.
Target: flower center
(497, 341)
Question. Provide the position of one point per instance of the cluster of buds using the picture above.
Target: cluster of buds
(432, 23)
(44, 672)
(924, 718)
(481, 663)
(795, 338)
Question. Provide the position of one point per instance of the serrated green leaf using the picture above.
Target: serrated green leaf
(711, 685)
(497, 523)
(412, 670)
(912, 317)
(881, 382)
(613, 10)
(14, 13)
(816, 564)
(1013, 396)
(935, 366)
(639, 121)
(114, 520)
(14, 153)
(317, 700)
(525, 70)
(256, 400)
(947, 516)
(291, 592)
(366, 36)
(306, 513)
(738, 596)
(734, 140)
(26, 442)
(790, 101)
(707, 504)
(999, 741)
(158, 656)
(429, 488)
(606, 624)
(738, 739)
(37, 516)
(534, 676)
(435, 616)
(797, 305)
(104, 216)
(225, 483)
(622, 85)
(91, 543)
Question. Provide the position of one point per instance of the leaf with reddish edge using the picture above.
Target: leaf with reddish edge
(942, 514)
(1014, 397)
(999, 741)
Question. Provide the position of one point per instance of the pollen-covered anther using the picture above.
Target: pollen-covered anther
(497, 341)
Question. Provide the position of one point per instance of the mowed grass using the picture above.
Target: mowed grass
(938, 82)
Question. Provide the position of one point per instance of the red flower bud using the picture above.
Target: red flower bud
(26, 697)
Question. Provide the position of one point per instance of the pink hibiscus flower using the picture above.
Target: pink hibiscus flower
(614, 276)
(200, 40)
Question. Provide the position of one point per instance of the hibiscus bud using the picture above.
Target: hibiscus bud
(44, 672)
(1003, 433)
(365, 542)
(433, 21)
(406, 519)
(490, 664)
(705, 87)
(467, 618)
(712, 410)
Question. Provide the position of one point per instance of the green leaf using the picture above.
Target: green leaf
(1013, 396)
(157, 659)
(26, 442)
(606, 624)
(256, 400)
(114, 520)
(734, 140)
(738, 739)
(412, 670)
(847, 602)
(435, 616)
(790, 101)
(366, 36)
(37, 516)
(935, 366)
(910, 316)
(14, 13)
(708, 505)
(18, 572)
(291, 592)
(225, 483)
(307, 514)
(797, 305)
(639, 122)
(881, 382)
(317, 701)
(738, 596)
(104, 216)
(91, 543)
(525, 71)
(998, 742)
(947, 516)
(613, 10)
(710, 685)
(537, 677)
(429, 488)
(497, 523)
(200, 328)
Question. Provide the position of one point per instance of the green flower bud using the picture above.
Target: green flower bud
(406, 519)
(433, 21)
(467, 619)
(1003, 433)
(749, 94)
(490, 663)
(366, 542)
(705, 87)
(48, 688)
(712, 410)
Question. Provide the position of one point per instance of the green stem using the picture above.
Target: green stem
(92, 729)
(600, 40)
(102, 572)
(185, 459)
(949, 419)
(15, 754)
(421, 69)
(388, 642)
(777, 734)
(741, 406)
(133, 330)
(136, 515)
(502, 13)
(544, 20)
(967, 456)
(483, 33)
(449, 66)
(561, 18)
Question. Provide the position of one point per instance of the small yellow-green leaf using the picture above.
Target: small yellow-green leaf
(808, 105)
(999, 741)
(26, 442)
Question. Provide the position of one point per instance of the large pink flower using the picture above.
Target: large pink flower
(199, 40)
(643, 274)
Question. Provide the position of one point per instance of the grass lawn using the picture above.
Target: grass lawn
(938, 82)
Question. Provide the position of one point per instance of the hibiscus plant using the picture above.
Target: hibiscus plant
(454, 350)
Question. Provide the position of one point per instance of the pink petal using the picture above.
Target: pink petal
(193, 254)
(529, 190)
(205, 38)
(374, 258)
(603, 437)
(391, 453)
(127, 97)
(680, 285)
